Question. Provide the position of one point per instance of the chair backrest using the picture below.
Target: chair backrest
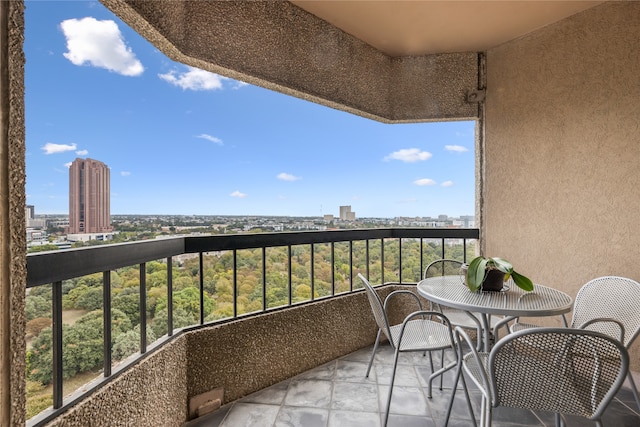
(443, 267)
(563, 370)
(609, 297)
(377, 307)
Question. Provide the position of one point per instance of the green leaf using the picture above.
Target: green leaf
(522, 282)
(476, 273)
(503, 265)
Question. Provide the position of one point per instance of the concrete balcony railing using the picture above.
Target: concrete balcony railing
(245, 351)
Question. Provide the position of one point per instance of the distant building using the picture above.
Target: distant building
(30, 212)
(346, 214)
(30, 217)
(89, 197)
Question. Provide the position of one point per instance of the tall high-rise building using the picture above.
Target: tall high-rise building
(89, 197)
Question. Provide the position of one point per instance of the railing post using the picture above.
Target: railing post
(289, 272)
(264, 278)
(169, 296)
(382, 260)
(106, 321)
(201, 258)
(421, 258)
(366, 245)
(143, 308)
(400, 259)
(312, 261)
(464, 250)
(57, 344)
(235, 283)
(333, 269)
(350, 265)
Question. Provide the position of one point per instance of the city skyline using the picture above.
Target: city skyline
(184, 141)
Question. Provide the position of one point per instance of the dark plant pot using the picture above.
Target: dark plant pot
(494, 281)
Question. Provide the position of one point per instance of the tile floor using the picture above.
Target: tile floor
(337, 394)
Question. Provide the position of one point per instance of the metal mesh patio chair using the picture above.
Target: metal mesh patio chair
(464, 319)
(562, 370)
(608, 304)
(421, 331)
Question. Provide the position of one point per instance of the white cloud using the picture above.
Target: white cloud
(100, 44)
(238, 194)
(447, 184)
(424, 181)
(287, 177)
(456, 148)
(210, 138)
(194, 79)
(67, 165)
(238, 84)
(125, 173)
(409, 155)
(51, 148)
(82, 152)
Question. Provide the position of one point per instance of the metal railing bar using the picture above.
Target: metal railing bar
(169, 296)
(464, 251)
(264, 278)
(421, 258)
(289, 269)
(201, 267)
(249, 241)
(143, 308)
(382, 260)
(400, 259)
(57, 344)
(106, 320)
(235, 283)
(366, 257)
(312, 260)
(48, 267)
(350, 265)
(333, 268)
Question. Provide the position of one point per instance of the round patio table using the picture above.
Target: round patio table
(511, 302)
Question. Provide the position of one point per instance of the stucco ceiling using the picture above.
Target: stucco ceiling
(412, 28)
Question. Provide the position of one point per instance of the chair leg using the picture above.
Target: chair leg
(441, 366)
(634, 390)
(373, 353)
(485, 414)
(440, 372)
(393, 377)
(459, 375)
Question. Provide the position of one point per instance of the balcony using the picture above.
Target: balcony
(250, 348)
(557, 173)
(302, 360)
(337, 394)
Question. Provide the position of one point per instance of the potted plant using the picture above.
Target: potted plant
(497, 269)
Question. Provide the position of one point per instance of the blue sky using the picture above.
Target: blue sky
(179, 140)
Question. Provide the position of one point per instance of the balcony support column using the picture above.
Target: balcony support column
(13, 272)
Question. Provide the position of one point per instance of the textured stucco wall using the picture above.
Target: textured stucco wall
(277, 45)
(562, 172)
(247, 355)
(13, 272)
(242, 356)
(152, 393)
